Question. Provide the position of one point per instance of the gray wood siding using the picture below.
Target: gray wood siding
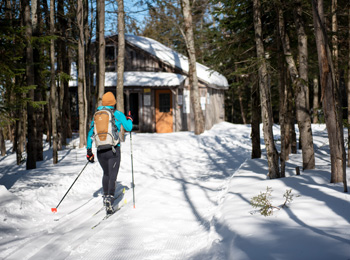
(136, 59)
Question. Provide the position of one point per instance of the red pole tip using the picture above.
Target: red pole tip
(54, 210)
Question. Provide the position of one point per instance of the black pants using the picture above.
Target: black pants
(110, 163)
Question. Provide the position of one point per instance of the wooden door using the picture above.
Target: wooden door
(164, 111)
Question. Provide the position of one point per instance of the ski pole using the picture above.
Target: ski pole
(132, 171)
(55, 209)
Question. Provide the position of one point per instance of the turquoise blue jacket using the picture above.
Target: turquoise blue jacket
(120, 119)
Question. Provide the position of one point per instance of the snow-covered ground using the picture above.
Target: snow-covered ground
(192, 202)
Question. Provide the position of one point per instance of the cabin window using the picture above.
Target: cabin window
(110, 58)
(132, 58)
(164, 102)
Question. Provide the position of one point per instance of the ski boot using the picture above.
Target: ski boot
(108, 202)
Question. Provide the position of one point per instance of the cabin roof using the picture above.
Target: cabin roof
(167, 55)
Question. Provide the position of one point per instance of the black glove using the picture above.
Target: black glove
(130, 117)
(90, 156)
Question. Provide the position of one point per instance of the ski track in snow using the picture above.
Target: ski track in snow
(196, 185)
(192, 202)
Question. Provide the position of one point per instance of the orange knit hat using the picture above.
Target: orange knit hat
(108, 99)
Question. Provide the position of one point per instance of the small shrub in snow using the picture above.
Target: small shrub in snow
(288, 197)
(264, 204)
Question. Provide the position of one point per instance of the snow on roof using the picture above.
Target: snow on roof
(213, 78)
(145, 79)
(136, 78)
(166, 54)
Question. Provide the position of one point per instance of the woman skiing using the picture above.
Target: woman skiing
(104, 129)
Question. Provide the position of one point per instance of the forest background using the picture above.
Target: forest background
(286, 61)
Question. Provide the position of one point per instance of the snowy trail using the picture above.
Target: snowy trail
(185, 198)
(58, 236)
(192, 202)
(175, 204)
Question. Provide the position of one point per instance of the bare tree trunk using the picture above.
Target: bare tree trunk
(20, 128)
(271, 151)
(233, 104)
(2, 142)
(293, 135)
(8, 16)
(19, 113)
(240, 98)
(21, 131)
(60, 69)
(68, 67)
(255, 133)
(101, 50)
(48, 120)
(31, 144)
(335, 39)
(17, 141)
(59, 92)
(120, 67)
(283, 106)
(81, 76)
(315, 101)
(289, 118)
(199, 125)
(47, 107)
(300, 83)
(65, 68)
(38, 68)
(348, 87)
(330, 100)
(302, 93)
(87, 62)
(53, 88)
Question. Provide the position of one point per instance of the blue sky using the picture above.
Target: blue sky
(131, 9)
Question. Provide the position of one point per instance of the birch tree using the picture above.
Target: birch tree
(330, 97)
(266, 111)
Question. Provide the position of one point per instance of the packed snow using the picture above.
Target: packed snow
(192, 201)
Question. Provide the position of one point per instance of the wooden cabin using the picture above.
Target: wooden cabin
(156, 86)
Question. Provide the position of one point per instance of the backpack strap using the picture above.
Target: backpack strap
(115, 128)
